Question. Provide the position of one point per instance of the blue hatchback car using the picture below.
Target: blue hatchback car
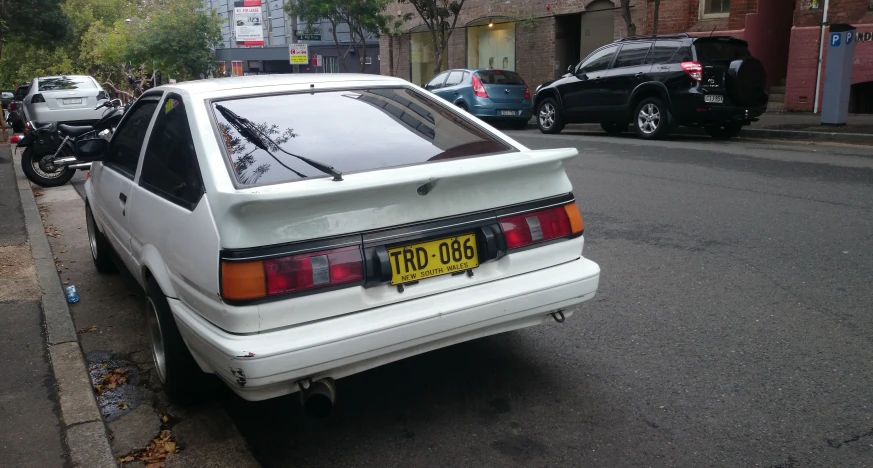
(487, 94)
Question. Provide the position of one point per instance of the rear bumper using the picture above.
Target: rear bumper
(268, 365)
(691, 109)
(44, 114)
(494, 110)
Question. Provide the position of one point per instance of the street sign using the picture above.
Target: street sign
(835, 39)
(248, 26)
(298, 53)
(317, 61)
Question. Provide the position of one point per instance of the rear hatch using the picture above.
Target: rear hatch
(503, 86)
(428, 202)
(68, 92)
(715, 54)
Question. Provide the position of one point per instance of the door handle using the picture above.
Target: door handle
(123, 198)
(639, 75)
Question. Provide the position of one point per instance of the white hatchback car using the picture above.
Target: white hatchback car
(290, 230)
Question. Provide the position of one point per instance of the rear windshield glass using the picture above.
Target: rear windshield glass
(499, 77)
(353, 130)
(720, 50)
(64, 82)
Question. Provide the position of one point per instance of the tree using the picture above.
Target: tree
(32, 20)
(440, 17)
(655, 16)
(365, 18)
(628, 20)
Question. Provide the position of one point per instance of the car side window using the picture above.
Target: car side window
(169, 167)
(437, 82)
(455, 78)
(632, 55)
(598, 61)
(663, 51)
(125, 146)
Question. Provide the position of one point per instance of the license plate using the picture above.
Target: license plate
(509, 112)
(717, 98)
(416, 262)
(72, 101)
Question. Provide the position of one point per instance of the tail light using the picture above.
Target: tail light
(37, 98)
(13, 106)
(14, 139)
(542, 226)
(478, 89)
(694, 70)
(526, 92)
(296, 273)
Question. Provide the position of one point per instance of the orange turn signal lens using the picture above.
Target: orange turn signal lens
(243, 280)
(576, 223)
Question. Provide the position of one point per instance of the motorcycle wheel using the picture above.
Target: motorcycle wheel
(43, 175)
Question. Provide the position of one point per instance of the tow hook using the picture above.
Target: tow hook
(558, 316)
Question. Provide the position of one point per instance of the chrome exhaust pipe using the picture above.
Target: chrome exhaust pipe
(80, 166)
(317, 398)
(64, 161)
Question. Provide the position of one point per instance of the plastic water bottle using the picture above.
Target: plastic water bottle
(72, 294)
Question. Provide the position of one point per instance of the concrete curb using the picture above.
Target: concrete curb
(83, 424)
(758, 133)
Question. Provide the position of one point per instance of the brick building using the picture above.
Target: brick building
(785, 35)
(538, 39)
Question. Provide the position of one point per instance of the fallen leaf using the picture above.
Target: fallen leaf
(123, 405)
(126, 459)
(164, 418)
(90, 329)
(156, 465)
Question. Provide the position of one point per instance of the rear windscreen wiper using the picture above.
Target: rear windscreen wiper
(251, 133)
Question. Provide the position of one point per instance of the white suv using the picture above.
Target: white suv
(291, 230)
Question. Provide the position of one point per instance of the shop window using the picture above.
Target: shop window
(491, 44)
(422, 58)
(715, 8)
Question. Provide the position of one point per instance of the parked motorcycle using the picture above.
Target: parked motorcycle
(49, 159)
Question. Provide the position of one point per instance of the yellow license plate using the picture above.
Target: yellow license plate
(428, 259)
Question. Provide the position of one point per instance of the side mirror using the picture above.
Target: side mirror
(582, 76)
(570, 68)
(93, 149)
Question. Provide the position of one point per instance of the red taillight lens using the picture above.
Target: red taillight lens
(37, 98)
(541, 226)
(13, 106)
(315, 270)
(694, 70)
(526, 92)
(263, 278)
(478, 89)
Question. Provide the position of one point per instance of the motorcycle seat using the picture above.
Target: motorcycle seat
(74, 131)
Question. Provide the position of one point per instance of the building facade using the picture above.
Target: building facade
(241, 55)
(536, 39)
(540, 39)
(785, 36)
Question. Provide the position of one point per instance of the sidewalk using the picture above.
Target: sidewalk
(30, 429)
(856, 123)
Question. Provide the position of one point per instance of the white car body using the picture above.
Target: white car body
(262, 350)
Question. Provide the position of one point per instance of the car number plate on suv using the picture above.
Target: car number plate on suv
(415, 262)
(72, 101)
(717, 98)
(508, 112)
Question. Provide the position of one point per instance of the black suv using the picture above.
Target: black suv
(658, 82)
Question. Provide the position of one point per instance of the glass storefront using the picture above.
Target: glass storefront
(421, 55)
(491, 44)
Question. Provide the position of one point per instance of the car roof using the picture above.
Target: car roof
(252, 83)
(65, 76)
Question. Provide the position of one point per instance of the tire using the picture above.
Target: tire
(650, 119)
(101, 251)
(724, 131)
(518, 124)
(180, 376)
(549, 118)
(462, 106)
(745, 81)
(614, 128)
(38, 176)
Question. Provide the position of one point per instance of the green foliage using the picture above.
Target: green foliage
(174, 36)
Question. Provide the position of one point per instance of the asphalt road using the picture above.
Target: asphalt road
(732, 327)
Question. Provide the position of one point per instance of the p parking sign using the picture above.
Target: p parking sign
(836, 39)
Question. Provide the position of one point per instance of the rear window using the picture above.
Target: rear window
(721, 51)
(351, 130)
(499, 77)
(64, 82)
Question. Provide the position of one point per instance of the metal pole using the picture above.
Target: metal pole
(824, 20)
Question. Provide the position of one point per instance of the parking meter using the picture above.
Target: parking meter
(838, 74)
